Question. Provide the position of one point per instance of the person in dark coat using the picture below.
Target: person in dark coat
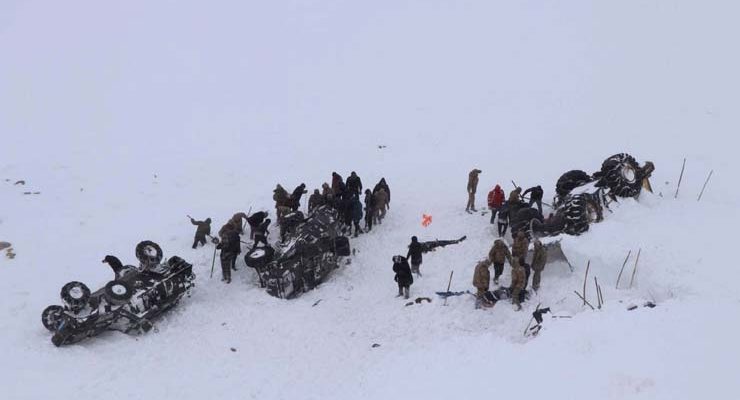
(356, 212)
(337, 184)
(203, 229)
(260, 235)
(384, 185)
(369, 209)
(254, 222)
(316, 200)
(536, 194)
(354, 183)
(403, 277)
(503, 219)
(415, 255)
(230, 247)
(295, 197)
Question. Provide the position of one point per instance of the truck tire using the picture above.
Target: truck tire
(571, 180)
(579, 211)
(118, 291)
(259, 257)
(148, 253)
(622, 175)
(52, 317)
(75, 295)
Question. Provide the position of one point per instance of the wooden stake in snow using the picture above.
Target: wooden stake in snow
(599, 300)
(632, 280)
(680, 178)
(584, 300)
(705, 185)
(622, 270)
(584, 282)
(448, 286)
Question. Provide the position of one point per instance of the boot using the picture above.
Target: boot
(400, 292)
(406, 293)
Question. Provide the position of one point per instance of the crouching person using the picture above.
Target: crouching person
(403, 277)
(482, 281)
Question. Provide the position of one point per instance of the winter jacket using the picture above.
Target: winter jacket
(256, 219)
(381, 199)
(415, 253)
(473, 180)
(403, 271)
(539, 259)
(482, 276)
(518, 277)
(203, 227)
(536, 191)
(230, 243)
(515, 195)
(316, 200)
(280, 195)
(496, 197)
(262, 228)
(499, 252)
(370, 202)
(503, 214)
(337, 184)
(520, 246)
(354, 184)
(383, 185)
(356, 209)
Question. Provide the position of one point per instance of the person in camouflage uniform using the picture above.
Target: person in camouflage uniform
(316, 200)
(481, 281)
(203, 229)
(518, 281)
(381, 204)
(520, 246)
(282, 202)
(538, 263)
(498, 255)
(515, 196)
(472, 188)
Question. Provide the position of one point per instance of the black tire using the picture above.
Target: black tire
(521, 221)
(341, 246)
(75, 295)
(148, 253)
(52, 317)
(622, 175)
(579, 212)
(571, 180)
(118, 291)
(259, 257)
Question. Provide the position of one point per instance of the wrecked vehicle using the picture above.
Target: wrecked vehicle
(312, 248)
(129, 303)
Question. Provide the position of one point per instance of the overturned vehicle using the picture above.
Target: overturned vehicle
(128, 303)
(313, 247)
(581, 197)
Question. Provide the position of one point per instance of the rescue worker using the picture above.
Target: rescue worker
(403, 277)
(515, 196)
(354, 183)
(260, 235)
(518, 281)
(503, 219)
(369, 209)
(356, 213)
(337, 185)
(254, 222)
(327, 193)
(498, 255)
(496, 198)
(381, 204)
(316, 200)
(520, 246)
(294, 202)
(203, 229)
(481, 281)
(415, 255)
(230, 247)
(472, 188)
(382, 184)
(539, 259)
(282, 200)
(535, 196)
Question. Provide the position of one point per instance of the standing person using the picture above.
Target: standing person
(203, 229)
(498, 255)
(295, 197)
(254, 222)
(281, 197)
(520, 246)
(356, 212)
(369, 209)
(230, 248)
(403, 277)
(481, 281)
(518, 281)
(337, 184)
(515, 196)
(415, 255)
(539, 259)
(354, 183)
(383, 185)
(381, 204)
(316, 200)
(503, 219)
(496, 198)
(527, 271)
(472, 188)
(260, 235)
(326, 193)
(535, 196)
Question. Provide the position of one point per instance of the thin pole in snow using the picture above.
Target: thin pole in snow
(622, 270)
(705, 185)
(680, 178)
(634, 271)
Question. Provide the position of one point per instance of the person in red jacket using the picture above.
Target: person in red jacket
(496, 198)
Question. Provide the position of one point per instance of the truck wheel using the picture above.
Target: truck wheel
(578, 212)
(52, 317)
(148, 253)
(571, 180)
(622, 175)
(75, 295)
(259, 257)
(118, 291)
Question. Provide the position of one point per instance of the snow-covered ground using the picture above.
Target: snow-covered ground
(126, 117)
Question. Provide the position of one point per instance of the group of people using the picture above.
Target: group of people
(404, 273)
(520, 269)
(498, 203)
(344, 196)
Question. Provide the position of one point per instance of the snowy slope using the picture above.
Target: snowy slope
(127, 117)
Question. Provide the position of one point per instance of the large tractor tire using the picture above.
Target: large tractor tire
(148, 253)
(118, 292)
(52, 317)
(75, 295)
(622, 175)
(571, 180)
(579, 212)
(259, 257)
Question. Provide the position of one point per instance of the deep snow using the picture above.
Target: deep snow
(127, 117)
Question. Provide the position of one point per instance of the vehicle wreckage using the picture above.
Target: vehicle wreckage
(581, 197)
(128, 303)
